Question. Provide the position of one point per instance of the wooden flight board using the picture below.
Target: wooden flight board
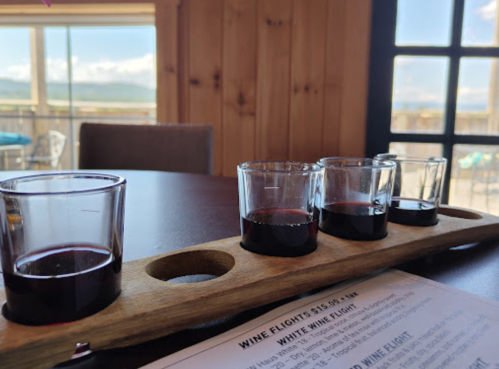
(150, 306)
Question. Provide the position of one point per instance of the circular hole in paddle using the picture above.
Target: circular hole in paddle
(191, 266)
(459, 213)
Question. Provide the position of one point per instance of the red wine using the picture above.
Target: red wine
(353, 220)
(62, 283)
(279, 232)
(412, 212)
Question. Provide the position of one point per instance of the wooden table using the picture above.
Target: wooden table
(168, 211)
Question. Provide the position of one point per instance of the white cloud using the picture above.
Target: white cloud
(468, 95)
(488, 11)
(21, 72)
(404, 61)
(57, 70)
(141, 71)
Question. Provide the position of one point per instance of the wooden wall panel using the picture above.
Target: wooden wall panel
(307, 79)
(239, 83)
(205, 70)
(335, 43)
(183, 61)
(355, 78)
(167, 62)
(274, 58)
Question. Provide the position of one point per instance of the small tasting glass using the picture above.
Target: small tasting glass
(278, 207)
(417, 189)
(356, 196)
(61, 245)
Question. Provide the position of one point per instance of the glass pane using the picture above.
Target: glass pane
(414, 148)
(114, 70)
(478, 97)
(423, 22)
(479, 23)
(16, 108)
(419, 94)
(15, 77)
(475, 178)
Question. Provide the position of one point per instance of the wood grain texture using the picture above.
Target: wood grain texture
(239, 83)
(307, 79)
(183, 61)
(355, 77)
(335, 43)
(205, 70)
(167, 62)
(274, 58)
(150, 307)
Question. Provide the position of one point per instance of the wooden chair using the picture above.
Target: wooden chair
(166, 147)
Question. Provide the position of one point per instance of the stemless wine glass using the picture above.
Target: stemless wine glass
(417, 189)
(278, 207)
(356, 196)
(61, 245)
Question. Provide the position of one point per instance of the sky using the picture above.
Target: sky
(99, 54)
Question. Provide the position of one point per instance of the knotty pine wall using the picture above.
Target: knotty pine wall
(277, 79)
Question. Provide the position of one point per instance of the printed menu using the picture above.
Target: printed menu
(388, 320)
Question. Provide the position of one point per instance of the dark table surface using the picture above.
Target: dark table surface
(168, 211)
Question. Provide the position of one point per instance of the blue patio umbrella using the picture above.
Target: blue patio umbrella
(9, 138)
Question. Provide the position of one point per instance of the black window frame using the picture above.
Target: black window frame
(381, 68)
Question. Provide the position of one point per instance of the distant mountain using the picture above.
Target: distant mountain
(102, 92)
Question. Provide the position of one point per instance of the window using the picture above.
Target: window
(434, 90)
(59, 71)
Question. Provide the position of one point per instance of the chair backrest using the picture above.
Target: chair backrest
(166, 147)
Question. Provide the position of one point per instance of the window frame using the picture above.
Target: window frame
(67, 13)
(37, 46)
(382, 56)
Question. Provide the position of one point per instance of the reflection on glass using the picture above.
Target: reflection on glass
(419, 91)
(480, 23)
(423, 22)
(478, 97)
(475, 178)
(414, 148)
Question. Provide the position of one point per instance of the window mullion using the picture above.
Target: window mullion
(452, 85)
(380, 83)
(38, 81)
(70, 99)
